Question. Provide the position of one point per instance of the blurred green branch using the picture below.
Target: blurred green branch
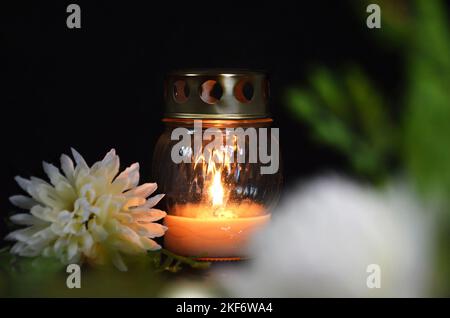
(46, 277)
(427, 101)
(348, 115)
(173, 262)
(346, 112)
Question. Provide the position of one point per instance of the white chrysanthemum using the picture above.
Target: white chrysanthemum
(326, 234)
(87, 213)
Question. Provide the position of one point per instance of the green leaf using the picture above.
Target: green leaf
(165, 260)
(427, 116)
(329, 129)
(372, 116)
(331, 93)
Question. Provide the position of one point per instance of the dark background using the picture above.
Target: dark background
(101, 86)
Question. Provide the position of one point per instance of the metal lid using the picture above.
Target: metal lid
(216, 94)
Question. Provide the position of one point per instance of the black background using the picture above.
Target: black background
(101, 86)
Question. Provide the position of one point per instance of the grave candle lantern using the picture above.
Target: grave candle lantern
(210, 162)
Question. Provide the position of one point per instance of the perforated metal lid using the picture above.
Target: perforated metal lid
(216, 94)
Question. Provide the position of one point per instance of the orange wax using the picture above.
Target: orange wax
(207, 232)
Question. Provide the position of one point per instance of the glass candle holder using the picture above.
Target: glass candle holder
(208, 162)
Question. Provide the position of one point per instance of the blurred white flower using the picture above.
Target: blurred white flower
(324, 237)
(87, 213)
(184, 288)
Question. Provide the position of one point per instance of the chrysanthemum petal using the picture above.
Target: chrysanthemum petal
(23, 235)
(150, 230)
(22, 201)
(40, 240)
(53, 173)
(45, 234)
(79, 160)
(82, 169)
(60, 244)
(124, 217)
(39, 189)
(134, 202)
(72, 250)
(110, 156)
(43, 213)
(48, 196)
(87, 242)
(98, 232)
(23, 183)
(25, 219)
(67, 166)
(118, 262)
(129, 244)
(37, 182)
(131, 175)
(87, 212)
(154, 200)
(143, 190)
(148, 216)
(111, 163)
(149, 244)
(65, 191)
(25, 250)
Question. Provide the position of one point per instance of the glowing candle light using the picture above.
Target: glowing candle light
(216, 190)
(215, 228)
(215, 203)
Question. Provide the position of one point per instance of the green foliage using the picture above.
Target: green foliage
(46, 277)
(350, 116)
(345, 111)
(427, 115)
(165, 260)
(427, 118)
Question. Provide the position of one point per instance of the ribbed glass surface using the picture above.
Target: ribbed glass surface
(198, 181)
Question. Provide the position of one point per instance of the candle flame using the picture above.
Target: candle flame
(213, 163)
(216, 189)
